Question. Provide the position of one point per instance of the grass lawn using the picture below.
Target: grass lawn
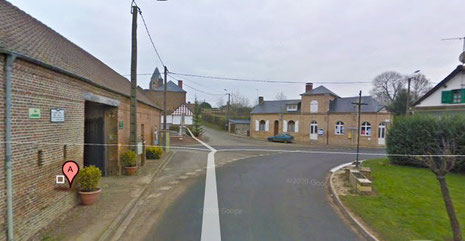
(408, 204)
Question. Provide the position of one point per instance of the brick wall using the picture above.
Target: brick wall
(36, 200)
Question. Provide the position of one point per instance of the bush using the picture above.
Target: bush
(154, 152)
(423, 134)
(89, 178)
(129, 158)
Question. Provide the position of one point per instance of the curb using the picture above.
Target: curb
(115, 224)
(355, 223)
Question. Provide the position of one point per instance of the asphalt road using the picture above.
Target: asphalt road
(278, 196)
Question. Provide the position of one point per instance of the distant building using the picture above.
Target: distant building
(446, 97)
(181, 115)
(240, 127)
(321, 117)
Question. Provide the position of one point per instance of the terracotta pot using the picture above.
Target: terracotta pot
(89, 198)
(131, 171)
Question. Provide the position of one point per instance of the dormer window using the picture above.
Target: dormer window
(291, 107)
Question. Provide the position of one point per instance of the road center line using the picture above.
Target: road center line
(211, 214)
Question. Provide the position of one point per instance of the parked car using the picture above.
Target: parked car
(286, 138)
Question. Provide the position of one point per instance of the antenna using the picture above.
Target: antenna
(462, 55)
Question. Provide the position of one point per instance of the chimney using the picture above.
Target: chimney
(180, 84)
(308, 87)
(260, 100)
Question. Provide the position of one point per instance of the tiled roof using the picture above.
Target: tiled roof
(237, 121)
(320, 90)
(274, 106)
(171, 87)
(26, 36)
(345, 104)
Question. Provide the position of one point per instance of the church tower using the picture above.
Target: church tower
(156, 80)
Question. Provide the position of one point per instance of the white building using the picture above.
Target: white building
(177, 116)
(447, 96)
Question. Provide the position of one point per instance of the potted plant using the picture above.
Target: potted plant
(89, 178)
(154, 152)
(129, 159)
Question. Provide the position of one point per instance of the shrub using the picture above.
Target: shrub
(129, 158)
(423, 134)
(89, 178)
(154, 152)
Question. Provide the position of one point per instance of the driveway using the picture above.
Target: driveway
(273, 196)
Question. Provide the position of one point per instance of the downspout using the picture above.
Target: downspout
(8, 163)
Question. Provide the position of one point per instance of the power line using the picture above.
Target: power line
(264, 81)
(201, 91)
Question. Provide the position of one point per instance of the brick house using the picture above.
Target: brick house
(62, 97)
(448, 96)
(321, 117)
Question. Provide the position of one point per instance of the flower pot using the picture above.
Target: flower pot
(131, 171)
(89, 198)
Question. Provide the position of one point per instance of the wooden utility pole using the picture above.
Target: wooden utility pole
(133, 107)
(227, 110)
(165, 83)
(359, 104)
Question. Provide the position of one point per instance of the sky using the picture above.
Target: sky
(300, 40)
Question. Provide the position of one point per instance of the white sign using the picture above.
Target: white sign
(320, 132)
(57, 115)
(139, 148)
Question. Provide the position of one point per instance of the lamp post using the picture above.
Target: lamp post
(409, 79)
(227, 108)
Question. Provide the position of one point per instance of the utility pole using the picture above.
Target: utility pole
(133, 106)
(409, 79)
(227, 108)
(359, 104)
(165, 83)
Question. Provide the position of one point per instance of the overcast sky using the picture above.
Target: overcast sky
(299, 40)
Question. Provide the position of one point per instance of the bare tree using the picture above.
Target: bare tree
(386, 86)
(441, 165)
(220, 102)
(239, 100)
(280, 96)
(420, 85)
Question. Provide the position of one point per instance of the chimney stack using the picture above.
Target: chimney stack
(180, 84)
(260, 100)
(308, 87)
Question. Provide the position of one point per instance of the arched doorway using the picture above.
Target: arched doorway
(382, 133)
(314, 130)
(276, 127)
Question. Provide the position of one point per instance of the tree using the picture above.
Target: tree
(419, 86)
(197, 119)
(386, 86)
(205, 105)
(280, 96)
(435, 142)
(398, 106)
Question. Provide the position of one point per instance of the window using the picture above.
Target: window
(291, 126)
(453, 96)
(456, 96)
(314, 106)
(292, 108)
(262, 125)
(365, 129)
(339, 128)
(314, 127)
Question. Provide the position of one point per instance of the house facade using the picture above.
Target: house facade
(239, 127)
(446, 97)
(63, 99)
(321, 117)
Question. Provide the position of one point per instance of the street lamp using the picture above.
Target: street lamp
(409, 78)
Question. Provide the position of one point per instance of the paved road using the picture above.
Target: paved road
(277, 196)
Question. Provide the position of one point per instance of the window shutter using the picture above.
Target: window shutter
(462, 96)
(284, 126)
(267, 125)
(446, 97)
(296, 126)
(256, 125)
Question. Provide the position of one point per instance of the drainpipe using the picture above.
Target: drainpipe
(8, 164)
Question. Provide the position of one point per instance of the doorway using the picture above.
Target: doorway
(94, 149)
(276, 127)
(314, 130)
(382, 133)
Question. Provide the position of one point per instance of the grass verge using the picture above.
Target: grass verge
(408, 204)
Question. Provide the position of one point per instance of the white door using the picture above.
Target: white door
(314, 131)
(382, 133)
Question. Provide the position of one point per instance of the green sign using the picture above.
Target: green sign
(34, 113)
(121, 124)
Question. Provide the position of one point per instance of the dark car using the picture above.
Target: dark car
(286, 138)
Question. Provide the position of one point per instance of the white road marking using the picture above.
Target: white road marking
(211, 230)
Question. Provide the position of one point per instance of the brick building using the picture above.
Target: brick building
(321, 117)
(62, 97)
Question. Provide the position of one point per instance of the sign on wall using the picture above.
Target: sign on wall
(121, 124)
(34, 113)
(57, 115)
(320, 132)
(139, 148)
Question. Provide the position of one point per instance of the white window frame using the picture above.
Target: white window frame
(365, 129)
(291, 107)
(313, 106)
(339, 128)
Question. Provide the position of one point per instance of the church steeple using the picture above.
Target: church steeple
(156, 80)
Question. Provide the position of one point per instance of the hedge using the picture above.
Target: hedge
(154, 152)
(423, 134)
